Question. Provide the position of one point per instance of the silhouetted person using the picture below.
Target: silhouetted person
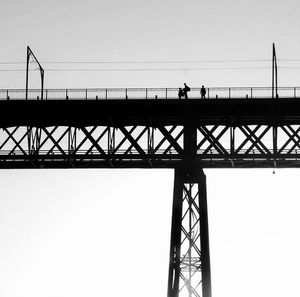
(202, 92)
(180, 93)
(186, 89)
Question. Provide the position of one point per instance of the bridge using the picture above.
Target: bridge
(152, 128)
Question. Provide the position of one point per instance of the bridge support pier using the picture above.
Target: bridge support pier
(189, 268)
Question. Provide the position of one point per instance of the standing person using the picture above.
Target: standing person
(186, 89)
(180, 93)
(202, 92)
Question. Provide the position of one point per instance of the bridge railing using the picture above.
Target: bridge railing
(147, 93)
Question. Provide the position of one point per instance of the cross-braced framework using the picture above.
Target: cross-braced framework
(189, 271)
(74, 146)
(146, 146)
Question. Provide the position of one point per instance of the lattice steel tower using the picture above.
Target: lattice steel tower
(189, 271)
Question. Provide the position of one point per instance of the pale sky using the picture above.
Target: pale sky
(106, 232)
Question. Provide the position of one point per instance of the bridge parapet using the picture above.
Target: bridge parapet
(147, 93)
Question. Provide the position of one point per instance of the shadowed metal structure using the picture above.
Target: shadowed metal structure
(189, 270)
(187, 135)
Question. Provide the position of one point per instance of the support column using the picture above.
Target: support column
(189, 268)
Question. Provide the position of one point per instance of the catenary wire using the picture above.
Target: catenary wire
(134, 69)
(152, 62)
(140, 62)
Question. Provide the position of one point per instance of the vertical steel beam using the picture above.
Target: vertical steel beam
(274, 74)
(72, 139)
(189, 267)
(27, 70)
(174, 265)
(42, 83)
(275, 137)
(190, 140)
(150, 138)
(204, 238)
(34, 139)
(232, 139)
(111, 139)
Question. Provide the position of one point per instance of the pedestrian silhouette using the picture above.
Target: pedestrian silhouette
(180, 93)
(186, 89)
(202, 92)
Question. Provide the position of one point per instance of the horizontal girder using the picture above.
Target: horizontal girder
(153, 113)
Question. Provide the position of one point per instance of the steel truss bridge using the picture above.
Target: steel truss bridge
(187, 135)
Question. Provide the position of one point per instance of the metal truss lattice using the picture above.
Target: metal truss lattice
(162, 146)
(190, 251)
(102, 141)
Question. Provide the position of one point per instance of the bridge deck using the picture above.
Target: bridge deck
(150, 112)
(150, 133)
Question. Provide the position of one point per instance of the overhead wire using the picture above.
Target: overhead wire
(157, 69)
(146, 69)
(145, 62)
(130, 69)
(135, 69)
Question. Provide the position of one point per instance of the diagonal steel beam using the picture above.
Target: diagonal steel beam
(253, 139)
(136, 139)
(8, 138)
(163, 140)
(47, 138)
(85, 139)
(171, 140)
(96, 140)
(168, 149)
(123, 140)
(17, 143)
(97, 146)
(292, 136)
(257, 139)
(55, 142)
(214, 141)
(133, 141)
(206, 136)
(247, 137)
